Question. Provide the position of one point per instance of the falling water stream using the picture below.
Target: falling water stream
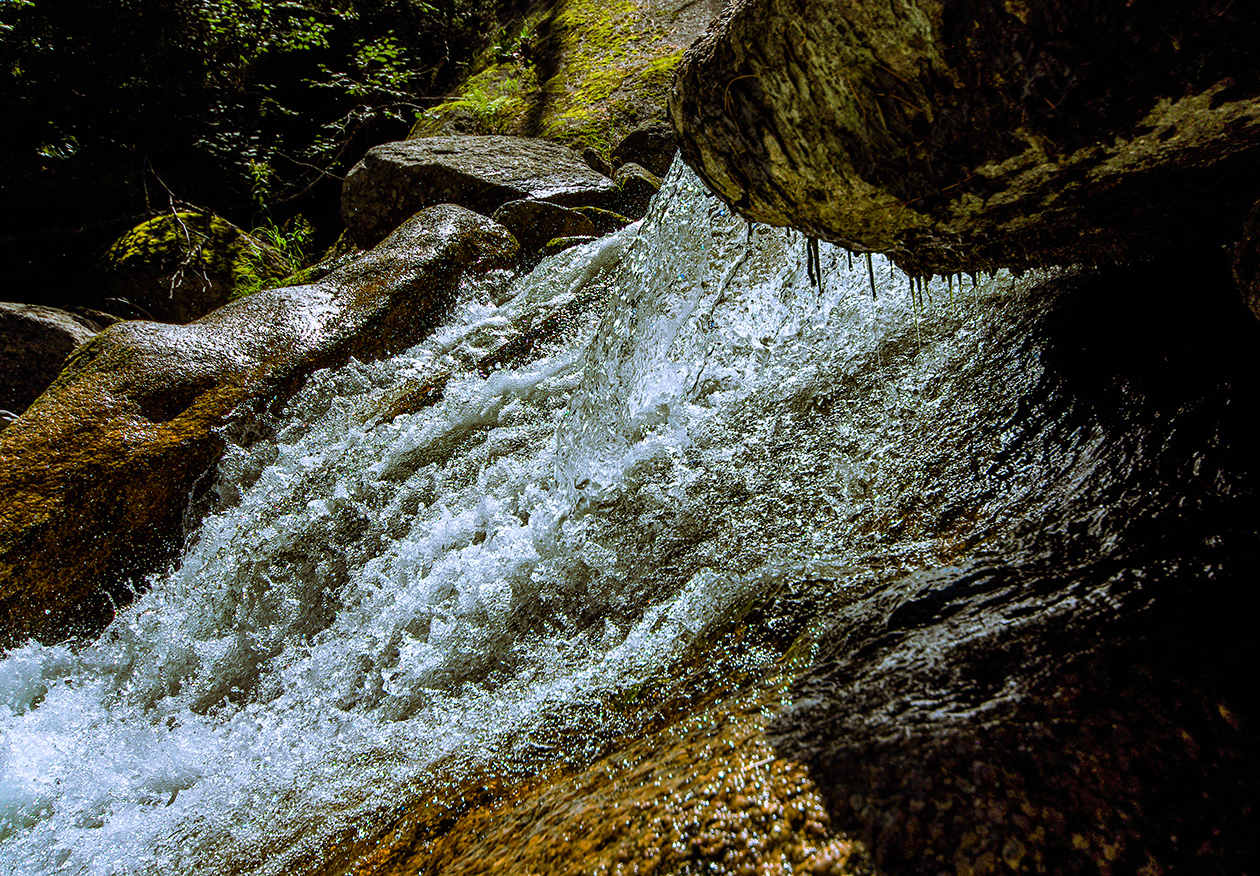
(472, 548)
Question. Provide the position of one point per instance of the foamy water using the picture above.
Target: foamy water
(434, 556)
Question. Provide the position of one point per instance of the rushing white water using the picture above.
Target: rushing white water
(439, 554)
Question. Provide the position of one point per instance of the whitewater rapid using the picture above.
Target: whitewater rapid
(466, 551)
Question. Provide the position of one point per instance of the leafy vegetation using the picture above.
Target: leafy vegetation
(249, 108)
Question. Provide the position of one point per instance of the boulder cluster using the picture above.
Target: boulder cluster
(110, 425)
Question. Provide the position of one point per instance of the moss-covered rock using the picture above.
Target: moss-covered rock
(178, 267)
(604, 221)
(97, 475)
(959, 136)
(582, 72)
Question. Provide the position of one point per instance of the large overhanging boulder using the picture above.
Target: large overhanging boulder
(96, 475)
(959, 135)
(395, 180)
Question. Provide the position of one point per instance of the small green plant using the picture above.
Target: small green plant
(257, 269)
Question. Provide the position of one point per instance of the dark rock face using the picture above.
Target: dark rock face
(395, 180)
(958, 135)
(1078, 698)
(652, 146)
(533, 223)
(1246, 265)
(635, 187)
(34, 344)
(98, 473)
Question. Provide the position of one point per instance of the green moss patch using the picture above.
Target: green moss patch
(196, 248)
(580, 72)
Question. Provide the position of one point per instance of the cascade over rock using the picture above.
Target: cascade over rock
(34, 343)
(526, 591)
(97, 474)
(395, 180)
(960, 136)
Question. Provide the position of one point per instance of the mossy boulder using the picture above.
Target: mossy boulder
(581, 72)
(959, 136)
(178, 267)
(97, 475)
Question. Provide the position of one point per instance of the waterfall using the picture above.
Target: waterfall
(463, 553)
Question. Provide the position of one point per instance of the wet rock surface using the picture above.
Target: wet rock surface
(1073, 699)
(395, 180)
(703, 794)
(959, 136)
(99, 473)
(34, 344)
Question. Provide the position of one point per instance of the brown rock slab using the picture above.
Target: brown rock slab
(34, 344)
(703, 794)
(960, 136)
(395, 180)
(98, 473)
